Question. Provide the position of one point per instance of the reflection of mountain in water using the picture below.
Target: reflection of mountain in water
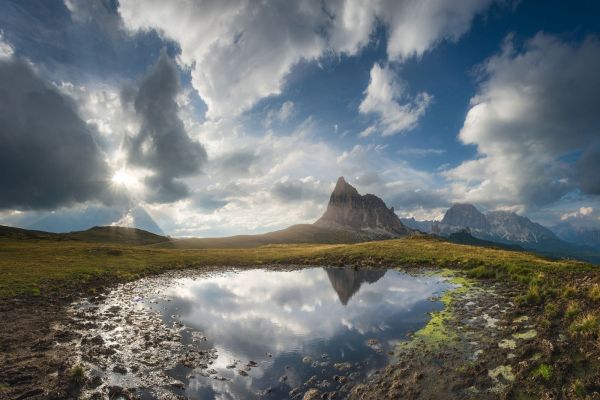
(347, 281)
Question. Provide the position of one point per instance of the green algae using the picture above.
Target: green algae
(504, 371)
(507, 344)
(436, 332)
(527, 335)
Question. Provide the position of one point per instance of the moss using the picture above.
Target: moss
(436, 333)
(77, 376)
(527, 335)
(543, 371)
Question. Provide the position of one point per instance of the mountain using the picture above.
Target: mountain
(581, 235)
(97, 234)
(464, 237)
(301, 233)
(467, 216)
(512, 227)
(346, 282)
(509, 229)
(80, 219)
(348, 210)
(117, 234)
(412, 223)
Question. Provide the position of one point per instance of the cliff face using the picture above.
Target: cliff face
(347, 209)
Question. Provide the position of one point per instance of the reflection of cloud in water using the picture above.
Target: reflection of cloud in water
(249, 313)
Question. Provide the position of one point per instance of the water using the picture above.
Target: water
(295, 325)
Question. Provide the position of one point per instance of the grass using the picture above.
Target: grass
(34, 267)
(586, 324)
(543, 371)
(77, 375)
(594, 292)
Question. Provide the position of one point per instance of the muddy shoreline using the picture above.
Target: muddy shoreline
(490, 345)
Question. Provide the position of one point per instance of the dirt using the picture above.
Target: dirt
(490, 349)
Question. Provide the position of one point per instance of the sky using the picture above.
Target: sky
(212, 118)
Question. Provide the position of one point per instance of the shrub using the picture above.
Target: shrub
(578, 388)
(551, 310)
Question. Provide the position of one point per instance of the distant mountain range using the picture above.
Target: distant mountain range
(507, 228)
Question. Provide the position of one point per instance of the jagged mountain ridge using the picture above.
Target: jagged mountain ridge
(349, 210)
(580, 235)
(501, 226)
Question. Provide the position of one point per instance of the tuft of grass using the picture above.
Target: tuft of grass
(543, 371)
(594, 292)
(481, 272)
(568, 291)
(77, 375)
(573, 310)
(586, 324)
(551, 310)
(578, 388)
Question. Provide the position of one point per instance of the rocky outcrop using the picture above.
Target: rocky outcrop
(349, 210)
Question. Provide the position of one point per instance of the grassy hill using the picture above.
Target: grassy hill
(302, 233)
(97, 234)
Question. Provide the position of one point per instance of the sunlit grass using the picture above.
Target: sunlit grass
(41, 266)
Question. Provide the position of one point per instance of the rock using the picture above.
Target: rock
(307, 360)
(283, 378)
(242, 372)
(119, 369)
(342, 366)
(311, 394)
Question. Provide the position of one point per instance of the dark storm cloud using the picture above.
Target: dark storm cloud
(162, 144)
(589, 165)
(48, 156)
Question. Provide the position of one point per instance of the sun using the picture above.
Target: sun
(124, 178)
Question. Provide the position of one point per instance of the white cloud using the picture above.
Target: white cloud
(241, 52)
(419, 152)
(582, 212)
(280, 115)
(6, 49)
(534, 107)
(386, 97)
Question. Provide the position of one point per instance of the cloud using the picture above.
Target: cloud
(48, 156)
(280, 115)
(241, 52)
(417, 26)
(582, 212)
(419, 152)
(535, 109)
(298, 190)
(162, 144)
(384, 97)
(6, 49)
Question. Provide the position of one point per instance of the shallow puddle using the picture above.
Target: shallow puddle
(257, 333)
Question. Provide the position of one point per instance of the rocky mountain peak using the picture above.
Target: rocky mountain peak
(465, 215)
(348, 209)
